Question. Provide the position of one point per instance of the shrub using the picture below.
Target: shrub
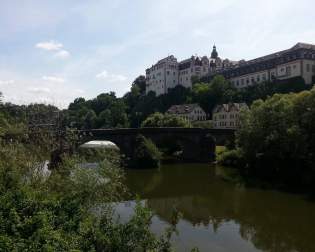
(232, 158)
(67, 211)
(165, 120)
(146, 154)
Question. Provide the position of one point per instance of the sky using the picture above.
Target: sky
(53, 51)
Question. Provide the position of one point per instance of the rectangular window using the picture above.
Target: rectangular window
(288, 70)
(313, 68)
(308, 67)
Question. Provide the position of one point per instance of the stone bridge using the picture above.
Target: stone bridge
(198, 145)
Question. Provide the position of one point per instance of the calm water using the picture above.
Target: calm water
(221, 216)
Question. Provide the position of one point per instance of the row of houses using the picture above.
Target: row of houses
(224, 116)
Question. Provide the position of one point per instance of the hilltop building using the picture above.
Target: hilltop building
(190, 112)
(195, 66)
(162, 76)
(298, 61)
(226, 116)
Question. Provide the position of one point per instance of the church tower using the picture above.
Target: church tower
(214, 53)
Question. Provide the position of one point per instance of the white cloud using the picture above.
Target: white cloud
(53, 79)
(49, 46)
(63, 54)
(6, 82)
(56, 47)
(111, 77)
(39, 90)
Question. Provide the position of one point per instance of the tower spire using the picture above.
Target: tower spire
(214, 53)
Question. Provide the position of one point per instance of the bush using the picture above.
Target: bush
(203, 124)
(146, 154)
(165, 120)
(67, 209)
(233, 158)
(277, 138)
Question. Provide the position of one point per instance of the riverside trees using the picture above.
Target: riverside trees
(67, 208)
(276, 140)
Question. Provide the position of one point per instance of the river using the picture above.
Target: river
(221, 216)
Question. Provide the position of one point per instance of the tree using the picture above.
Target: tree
(165, 120)
(146, 154)
(104, 111)
(140, 83)
(89, 120)
(277, 138)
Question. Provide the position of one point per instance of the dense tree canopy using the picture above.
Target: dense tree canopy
(277, 138)
(104, 111)
(165, 120)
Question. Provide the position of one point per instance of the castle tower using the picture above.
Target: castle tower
(214, 53)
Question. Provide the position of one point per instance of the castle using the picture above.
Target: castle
(298, 61)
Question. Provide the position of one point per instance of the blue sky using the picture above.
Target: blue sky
(53, 51)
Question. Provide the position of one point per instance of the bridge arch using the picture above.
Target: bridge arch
(198, 144)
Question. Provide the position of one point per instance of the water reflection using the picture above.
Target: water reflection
(220, 216)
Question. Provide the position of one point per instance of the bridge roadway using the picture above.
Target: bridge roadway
(198, 144)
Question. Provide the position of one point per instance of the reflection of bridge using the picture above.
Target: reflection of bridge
(197, 144)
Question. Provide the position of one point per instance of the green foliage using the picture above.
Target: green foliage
(203, 124)
(165, 120)
(104, 111)
(210, 94)
(146, 155)
(263, 90)
(67, 209)
(93, 155)
(232, 158)
(139, 84)
(277, 137)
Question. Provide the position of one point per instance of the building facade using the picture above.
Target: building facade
(226, 116)
(162, 76)
(193, 67)
(298, 61)
(190, 112)
(168, 72)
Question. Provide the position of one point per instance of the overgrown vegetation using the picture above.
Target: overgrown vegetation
(276, 141)
(146, 155)
(67, 208)
(165, 120)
